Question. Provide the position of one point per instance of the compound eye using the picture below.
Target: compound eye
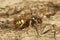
(39, 20)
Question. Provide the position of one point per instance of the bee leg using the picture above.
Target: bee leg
(37, 31)
(33, 23)
(29, 25)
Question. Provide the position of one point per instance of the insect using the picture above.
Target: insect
(28, 20)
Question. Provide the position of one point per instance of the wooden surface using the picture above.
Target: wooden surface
(48, 30)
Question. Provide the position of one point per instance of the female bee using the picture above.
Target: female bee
(26, 21)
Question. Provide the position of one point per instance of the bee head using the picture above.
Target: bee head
(39, 20)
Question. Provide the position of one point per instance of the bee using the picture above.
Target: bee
(28, 20)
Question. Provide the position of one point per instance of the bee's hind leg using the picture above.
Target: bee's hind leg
(35, 27)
